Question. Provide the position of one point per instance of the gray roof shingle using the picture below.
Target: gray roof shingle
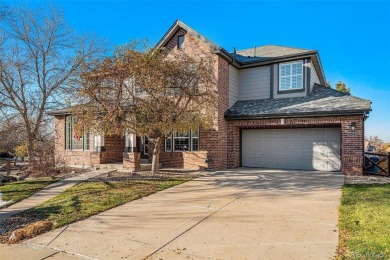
(267, 52)
(322, 101)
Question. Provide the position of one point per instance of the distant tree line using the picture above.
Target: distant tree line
(340, 86)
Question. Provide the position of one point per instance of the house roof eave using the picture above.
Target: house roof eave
(296, 115)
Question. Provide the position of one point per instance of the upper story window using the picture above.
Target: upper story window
(73, 141)
(291, 75)
(180, 42)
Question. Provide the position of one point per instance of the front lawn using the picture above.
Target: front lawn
(19, 190)
(89, 198)
(365, 222)
(84, 200)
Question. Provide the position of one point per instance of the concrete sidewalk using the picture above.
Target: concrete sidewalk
(47, 193)
(237, 214)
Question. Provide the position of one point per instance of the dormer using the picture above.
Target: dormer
(273, 72)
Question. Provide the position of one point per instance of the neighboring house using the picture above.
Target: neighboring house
(274, 111)
(369, 148)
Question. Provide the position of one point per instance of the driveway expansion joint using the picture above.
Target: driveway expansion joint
(200, 221)
(56, 236)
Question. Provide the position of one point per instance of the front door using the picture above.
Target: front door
(145, 142)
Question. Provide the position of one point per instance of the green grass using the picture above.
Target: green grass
(89, 198)
(365, 222)
(19, 190)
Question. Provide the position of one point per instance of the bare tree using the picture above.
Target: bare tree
(144, 91)
(379, 144)
(11, 134)
(40, 58)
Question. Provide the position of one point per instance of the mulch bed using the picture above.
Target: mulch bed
(58, 172)
(28, 229)
(13, 223)
(164, 174)
(367, 180)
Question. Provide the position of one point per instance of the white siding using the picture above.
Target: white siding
(254, 83)
(233, 85)
(276, 86)
(313, 76)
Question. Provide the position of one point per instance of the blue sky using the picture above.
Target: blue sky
(353, 37)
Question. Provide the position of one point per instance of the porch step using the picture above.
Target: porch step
(148, 166)
(116, 166)
(145, 166)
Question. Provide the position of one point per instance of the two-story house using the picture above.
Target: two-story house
(274, 111)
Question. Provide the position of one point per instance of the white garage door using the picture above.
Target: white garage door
(300, 148)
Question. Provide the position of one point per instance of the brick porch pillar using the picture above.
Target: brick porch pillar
(132, 161)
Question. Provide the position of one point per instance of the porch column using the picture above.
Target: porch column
(130, 143)
(131, 156)
(98, 143)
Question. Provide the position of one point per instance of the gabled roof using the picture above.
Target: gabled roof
(179, 24)
(322, 101)
(258, 56)
(268, 52)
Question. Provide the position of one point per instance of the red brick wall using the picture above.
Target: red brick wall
(351, 146)
(212, 142)
(114, 148)
(132, 161)
(186, 160)
(221, 160)
(62, 156)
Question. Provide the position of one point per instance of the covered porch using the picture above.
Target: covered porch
(129, 152)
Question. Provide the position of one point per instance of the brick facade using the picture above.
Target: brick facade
(114, 146)
(212, 142)
(132, 161)
(71, 157)
(219, 148)
(186, 160)
(352, 146)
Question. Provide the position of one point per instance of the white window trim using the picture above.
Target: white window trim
(192, 148)
(181, 137)
(280, 76)
(165, 143)
(71, 137)
(172, 137)
(182, 46)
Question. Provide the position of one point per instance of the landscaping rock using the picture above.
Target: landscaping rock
(147, 175)
(4, 179)
(367, 180)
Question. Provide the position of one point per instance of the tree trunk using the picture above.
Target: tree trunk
(156, 155)
(30, 154)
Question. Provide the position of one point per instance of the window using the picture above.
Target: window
(72, 141)
(180, 42)
(195, 140)
(68, 132)
(168, 143)
(181, 142)
(291, 76)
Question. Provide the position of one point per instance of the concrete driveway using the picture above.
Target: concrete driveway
(238, 214)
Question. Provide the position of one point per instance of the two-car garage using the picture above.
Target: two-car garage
(293, 148)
